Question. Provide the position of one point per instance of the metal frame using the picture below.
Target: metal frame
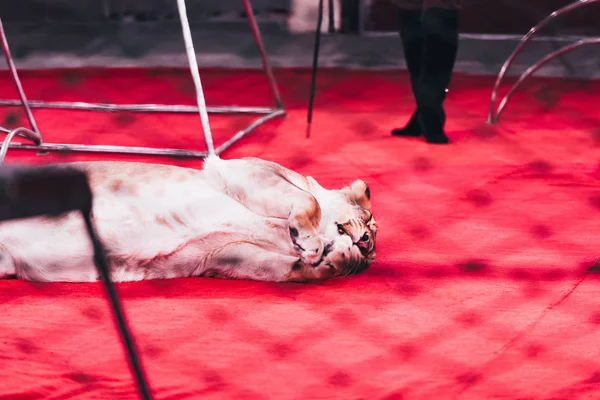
(494, 114)
(34, 135)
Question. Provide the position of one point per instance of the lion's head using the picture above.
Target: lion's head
(348, 227)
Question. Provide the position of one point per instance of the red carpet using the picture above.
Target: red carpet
(486, 281)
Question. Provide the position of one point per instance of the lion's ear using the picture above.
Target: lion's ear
(360, 193)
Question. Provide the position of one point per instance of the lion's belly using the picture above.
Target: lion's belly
(140, 224)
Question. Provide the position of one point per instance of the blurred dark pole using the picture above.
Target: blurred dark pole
(315, 66)
(350, 17)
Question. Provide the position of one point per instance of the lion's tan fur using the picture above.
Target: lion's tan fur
(239, 219)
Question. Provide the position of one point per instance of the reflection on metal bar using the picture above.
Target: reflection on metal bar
(250, 128)
(142, 108)
(191, 56)
(15, 76)
(493, 116)
(23, 132)
(63, 147)
(266, 112)
(84, 148)
(531, 70)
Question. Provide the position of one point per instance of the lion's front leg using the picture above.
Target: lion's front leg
(249, 261)
(304, 221)
(272, 191)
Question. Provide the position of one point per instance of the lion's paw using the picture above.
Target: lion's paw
(311, 273)
(308, 247)
(323, 271)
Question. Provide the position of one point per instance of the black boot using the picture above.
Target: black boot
(440, 45)
(411, 129)
(409, 23)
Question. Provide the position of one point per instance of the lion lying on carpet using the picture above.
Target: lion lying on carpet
(237, 219)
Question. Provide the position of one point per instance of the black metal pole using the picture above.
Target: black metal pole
(117, 309)
(331, 17)
(314, 68)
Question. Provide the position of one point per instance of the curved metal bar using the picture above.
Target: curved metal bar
(531, 70)
(23, 132)
(29, 135)
(560, 12)
(16, 80)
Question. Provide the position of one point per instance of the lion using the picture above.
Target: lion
(244, 218)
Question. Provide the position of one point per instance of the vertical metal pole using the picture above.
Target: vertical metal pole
(106, 8)
(16, 80)
(263, 53)
(363, 7)
(331, 28)
(315, 65)
(191, 55)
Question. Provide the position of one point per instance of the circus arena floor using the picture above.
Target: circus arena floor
(486, 284)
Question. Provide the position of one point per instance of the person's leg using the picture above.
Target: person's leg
(440, 46)
(410, 28)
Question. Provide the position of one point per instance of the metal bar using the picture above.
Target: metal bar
(82, 148)
(16, 80)
(331, 25)
(249, 129)
(531, 70)
(191, 55)
(201, 108)
(363, 11)
(313, 76)
(23, 132)
(144, 108)
(106, 8)
(560, 12)
(103, 268)
(263, 55)
(28, 134)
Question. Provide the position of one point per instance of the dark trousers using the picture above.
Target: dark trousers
(430, 41)
(419, 4)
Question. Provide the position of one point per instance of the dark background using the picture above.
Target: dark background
(142, 10)
(502, 17)
(477, 16)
